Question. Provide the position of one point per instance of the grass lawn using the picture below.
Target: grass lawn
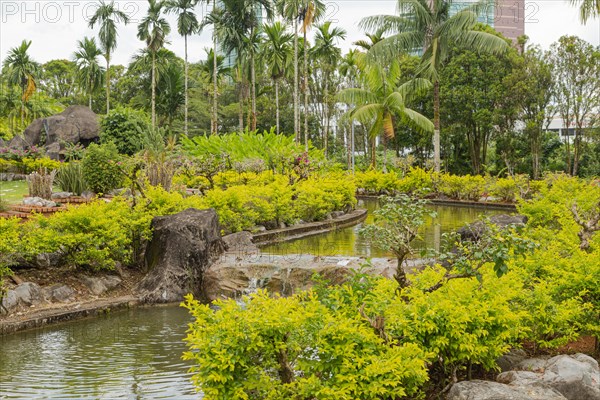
(12, 192)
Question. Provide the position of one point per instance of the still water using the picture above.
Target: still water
(348, 242)
(134, 354)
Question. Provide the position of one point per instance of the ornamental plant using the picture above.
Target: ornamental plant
(101, 168)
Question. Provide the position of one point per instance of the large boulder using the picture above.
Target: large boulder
(476, 230)
(577, 376)
(76, 124)
(486, 390)
(182, 248)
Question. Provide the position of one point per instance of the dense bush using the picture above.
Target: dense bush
(70, 178)
(125, 127)
(466, 187)
(101, 168)
(306, 350)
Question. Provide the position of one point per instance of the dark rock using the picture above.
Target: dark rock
(47, 260)
(182, 248)
(240, 243)
(76, 124)
(94, 284)
(258, 229)
(29, 293)
(59, 293)
(476, 230)
(486, 390)
(97, 285)
(511, 359)
(10, 302)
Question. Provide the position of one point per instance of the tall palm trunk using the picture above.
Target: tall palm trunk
(436, 126)
(90, 99)
(23, 106)
(326, 105)
(277, 104)
(241, 99)
(107, 82)
(305, 89)
(215, 123)
(253, 90)
(296, 79)
(153, 90)
(185, 111)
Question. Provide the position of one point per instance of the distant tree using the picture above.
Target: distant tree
(276, 52)
(89, 71)
(577, 96)
(108, 15)
(428, 25)
(22, 71)
(187, 24)
(154, 30)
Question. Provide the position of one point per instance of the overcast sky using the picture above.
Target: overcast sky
(54, 26)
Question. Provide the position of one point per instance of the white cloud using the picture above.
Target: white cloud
(54, 26)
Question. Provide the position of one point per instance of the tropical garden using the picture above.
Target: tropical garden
(277, 127)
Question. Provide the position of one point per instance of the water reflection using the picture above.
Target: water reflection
(129, 355)
(347, 241)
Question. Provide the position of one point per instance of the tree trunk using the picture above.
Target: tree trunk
(107, 82)
(384, 153)
(326, 105)
(90, 101)
(185, 111)
(576, 150)
(305, 89)
(400, 275)
(253, 90)
(277, 105)
(373, 152)
(296, 79)
(436, 126)
(215, 122)
(241, 108)
(153, 90)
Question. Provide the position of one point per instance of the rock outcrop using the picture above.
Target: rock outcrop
(76, 124)
(564, 377)
(477, 229)
(99, 285)
(182, 248)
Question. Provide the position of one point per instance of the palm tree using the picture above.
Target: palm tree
(154, 29)
(209, 73)
(22, 71)
(276, 52)
(310, 13)
(373, 39)
(588, 9)
(326, 50)
(237, 26)
(187, 24)
(107, 15)
(427, 24)
(89, 71)
(382, 101)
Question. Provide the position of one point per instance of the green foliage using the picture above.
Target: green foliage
(306, 350)
(10, 242)
(416, 180)
(94, 236)
(70, 178)
(40, 183)
(100, 168)
(396, 224)
(124, 127)
(377, 182)
(461, 187)
(277, 151)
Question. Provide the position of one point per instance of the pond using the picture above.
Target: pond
(136, 354)
(12, 192)
(348, 242)
(133, 354)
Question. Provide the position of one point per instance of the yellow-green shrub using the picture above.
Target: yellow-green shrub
(376, 182)
(466, 187)
(306, 350)
(417, 179)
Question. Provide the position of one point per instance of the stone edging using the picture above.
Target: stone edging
(74, 311)
(310, 229)
(459, 203)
